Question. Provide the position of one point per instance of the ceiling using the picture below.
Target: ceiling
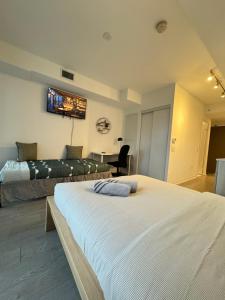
(208, 18)
(70, 33)
(217, 117)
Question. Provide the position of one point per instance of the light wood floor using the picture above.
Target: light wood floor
(32, 262)
(205, 183)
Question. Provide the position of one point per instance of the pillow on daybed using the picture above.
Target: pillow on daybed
(26, 151)
(74, 152)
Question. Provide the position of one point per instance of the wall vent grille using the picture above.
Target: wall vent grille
(67, 75)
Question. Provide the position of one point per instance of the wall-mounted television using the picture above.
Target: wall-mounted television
(66, 104)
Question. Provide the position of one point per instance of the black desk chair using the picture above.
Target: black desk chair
(122, 160)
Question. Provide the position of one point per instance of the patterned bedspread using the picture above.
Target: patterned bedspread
(44, 169)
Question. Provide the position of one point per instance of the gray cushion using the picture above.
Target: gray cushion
(111, 188)
(133, 184)
(26, 151)
(74, 152)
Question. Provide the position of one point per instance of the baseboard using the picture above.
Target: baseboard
(185, 180)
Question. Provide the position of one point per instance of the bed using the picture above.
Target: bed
(36, 179)
(164, 242)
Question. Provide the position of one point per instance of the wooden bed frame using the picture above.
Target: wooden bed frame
(85, 278)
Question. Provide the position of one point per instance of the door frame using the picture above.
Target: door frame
(205, 148)
(142, 112)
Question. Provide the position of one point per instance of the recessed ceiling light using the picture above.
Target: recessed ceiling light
(161, 26)
(107, 36)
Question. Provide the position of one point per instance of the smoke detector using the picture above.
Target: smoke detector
(161, 26)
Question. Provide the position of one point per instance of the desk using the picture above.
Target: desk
(109, 156)
(102, 155)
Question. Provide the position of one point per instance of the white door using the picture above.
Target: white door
(153, 143)
(159, 142)
(145, 143)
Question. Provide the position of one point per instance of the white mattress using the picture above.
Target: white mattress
(164, 242)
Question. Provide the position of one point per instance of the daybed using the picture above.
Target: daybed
(164, 242)
(37, 179)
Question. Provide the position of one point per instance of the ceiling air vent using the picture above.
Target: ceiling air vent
(67, 75)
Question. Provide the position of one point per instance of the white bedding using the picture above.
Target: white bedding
(14, 171)
(164, 242)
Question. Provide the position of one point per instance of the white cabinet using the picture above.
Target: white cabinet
(220, 177)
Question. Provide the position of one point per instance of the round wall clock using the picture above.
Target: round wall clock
(103, 125)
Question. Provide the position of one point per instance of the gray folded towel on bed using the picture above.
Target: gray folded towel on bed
(132, 184)
(111, 188)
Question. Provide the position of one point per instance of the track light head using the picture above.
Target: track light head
(210, 78)
(218, 82)
(216, 85)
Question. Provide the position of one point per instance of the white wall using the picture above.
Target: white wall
(23, 117)
(158, 98)
(130, 138)
(22, 63)
(104, 142)
(188, 115)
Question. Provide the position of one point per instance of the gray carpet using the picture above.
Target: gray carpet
(32, 262)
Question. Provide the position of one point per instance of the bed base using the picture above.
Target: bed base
(40, 188)
(85, 278)
(0, 195)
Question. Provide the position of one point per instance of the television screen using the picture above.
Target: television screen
(66, 104)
